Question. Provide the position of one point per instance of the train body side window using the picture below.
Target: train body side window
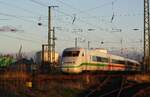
(103, 59)
(130, 63)
(99, 59)
(94, 58)
(118, 61)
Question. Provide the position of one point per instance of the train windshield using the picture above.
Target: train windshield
(70, 53)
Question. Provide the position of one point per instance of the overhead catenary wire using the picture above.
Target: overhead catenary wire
(100, 6)
(114, 15)
(24, 18)
(117, 15)
(44, 5)
(100, 28)
(89, 15)
(20, 38)
(38, 3)
(79, 11)
(17, 17)
(83, 21)
(21, 32)
(19, 8)
(64, 13)
(33, 41)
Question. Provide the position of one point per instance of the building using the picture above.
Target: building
(38, 57)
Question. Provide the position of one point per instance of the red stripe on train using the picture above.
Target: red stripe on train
(116, 65)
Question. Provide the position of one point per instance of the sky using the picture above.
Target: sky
(112, 22)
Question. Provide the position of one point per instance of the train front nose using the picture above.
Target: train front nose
(71, 68)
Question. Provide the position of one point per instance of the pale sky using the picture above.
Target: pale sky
(112, 21)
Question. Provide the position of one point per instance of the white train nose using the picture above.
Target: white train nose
(71, 69)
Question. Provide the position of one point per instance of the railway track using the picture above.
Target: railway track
(143, 93)
(109, 85)
(120, 88)
(98, 87)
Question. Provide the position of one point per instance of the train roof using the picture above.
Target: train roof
(102, 53)
(123, 58)
(73, 49)
(99, 50)
(116, 57)
(133, 61)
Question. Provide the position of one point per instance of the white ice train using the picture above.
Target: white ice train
(77, 60)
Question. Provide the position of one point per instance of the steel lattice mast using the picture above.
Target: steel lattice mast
(51, 38)
(146, 37)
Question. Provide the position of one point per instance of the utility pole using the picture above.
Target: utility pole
(146, 37)
(88, 45)
(76, 42)
(43, 54)
(51, 46)
(121, 41)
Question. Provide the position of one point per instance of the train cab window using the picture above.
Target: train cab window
(99, 59)
(70, 53)
(94, 58)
